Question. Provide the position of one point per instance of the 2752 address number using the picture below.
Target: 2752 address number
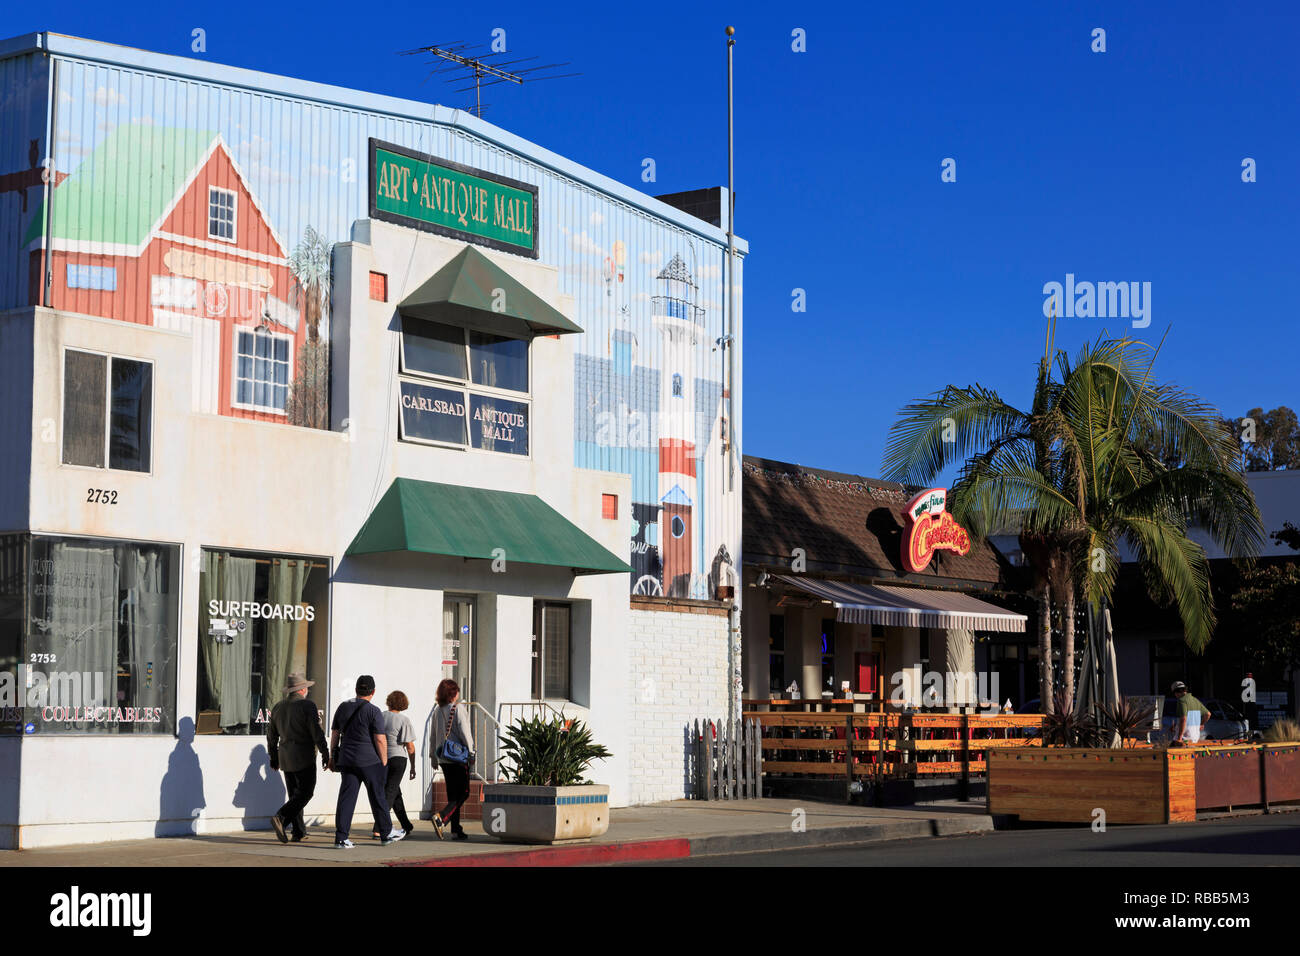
(102, 496)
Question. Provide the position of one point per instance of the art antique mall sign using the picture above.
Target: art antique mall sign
(930, 528)
(437, 195)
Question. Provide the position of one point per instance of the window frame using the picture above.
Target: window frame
(465, 386)
(108, 408)
(234, 214)
(537, 672)
(259, 553)
(181, 585)
(468, 381)
(235, 377)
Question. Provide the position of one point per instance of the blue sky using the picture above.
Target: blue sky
(1115, 166)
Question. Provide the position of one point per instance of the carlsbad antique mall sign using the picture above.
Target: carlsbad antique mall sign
(930, 528)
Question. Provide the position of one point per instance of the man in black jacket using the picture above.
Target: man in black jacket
(293, 735)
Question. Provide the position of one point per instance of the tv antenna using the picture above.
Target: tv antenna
(468, 64)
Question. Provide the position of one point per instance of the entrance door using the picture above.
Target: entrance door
(458, 645)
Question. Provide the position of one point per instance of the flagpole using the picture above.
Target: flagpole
(731, 265)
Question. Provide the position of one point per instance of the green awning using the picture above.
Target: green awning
(465, 292)
(469, 522)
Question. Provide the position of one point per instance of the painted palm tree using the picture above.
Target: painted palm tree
(309, 393)
(1104, 456)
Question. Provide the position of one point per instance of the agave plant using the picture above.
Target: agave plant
(1067, 727)
(548, 753)
(1125, 716)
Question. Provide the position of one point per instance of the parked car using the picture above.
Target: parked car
(1226, 721)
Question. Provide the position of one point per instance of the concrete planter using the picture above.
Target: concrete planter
(519, 814)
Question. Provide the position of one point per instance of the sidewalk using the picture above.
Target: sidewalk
(658, 831)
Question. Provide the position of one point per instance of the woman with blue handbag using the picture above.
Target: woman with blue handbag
(453, 751)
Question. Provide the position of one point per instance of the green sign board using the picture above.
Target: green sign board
(437, 195)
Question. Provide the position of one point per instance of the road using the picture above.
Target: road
(1237, 841)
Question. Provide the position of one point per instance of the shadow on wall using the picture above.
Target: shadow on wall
(261, 793)
(180, 799)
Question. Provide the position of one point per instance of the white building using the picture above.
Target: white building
(251, 434)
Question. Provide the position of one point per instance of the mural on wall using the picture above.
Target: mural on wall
(188, 247)
(656, 401)
(212, 211)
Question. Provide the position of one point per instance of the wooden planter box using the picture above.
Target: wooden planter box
(1065, 785)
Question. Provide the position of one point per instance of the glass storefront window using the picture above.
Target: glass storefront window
(262, 617)
(88, 634)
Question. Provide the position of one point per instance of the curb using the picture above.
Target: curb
(646, 851)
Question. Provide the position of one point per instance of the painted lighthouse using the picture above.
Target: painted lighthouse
(679, 319)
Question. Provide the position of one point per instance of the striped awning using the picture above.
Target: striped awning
(908, 607)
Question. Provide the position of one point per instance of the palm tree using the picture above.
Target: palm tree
(1149, 461)
(1002, 448)
(1104, 456)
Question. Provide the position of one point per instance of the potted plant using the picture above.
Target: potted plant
(545, 798)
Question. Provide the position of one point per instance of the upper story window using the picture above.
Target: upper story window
(221, 214)
(107, 411)
(677, 308)
(262, 371)
(466, 407)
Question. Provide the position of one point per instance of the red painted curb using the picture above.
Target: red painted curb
(584, 855)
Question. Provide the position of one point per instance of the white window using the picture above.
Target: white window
(263, 370)
(107, 411)
(221, 214)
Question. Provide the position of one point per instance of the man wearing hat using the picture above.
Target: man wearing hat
(293, 735)
(1189, 714)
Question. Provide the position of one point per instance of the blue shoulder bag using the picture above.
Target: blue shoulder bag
(452, 751)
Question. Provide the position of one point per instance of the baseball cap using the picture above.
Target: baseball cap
(365, 685)
(1177, 686)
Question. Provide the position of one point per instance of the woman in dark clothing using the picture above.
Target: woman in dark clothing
(451, 713)
(401, 751)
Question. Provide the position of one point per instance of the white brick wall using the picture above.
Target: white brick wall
(677, 674)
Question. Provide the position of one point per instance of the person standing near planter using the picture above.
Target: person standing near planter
(401, 751)
(359, 751)
(453, 751)
(1190, 715)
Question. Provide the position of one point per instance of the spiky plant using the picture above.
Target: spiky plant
(1067, 727)
(548, 753)
(1126, 716)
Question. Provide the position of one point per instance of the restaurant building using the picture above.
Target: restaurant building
(300, 378)
(869, 591)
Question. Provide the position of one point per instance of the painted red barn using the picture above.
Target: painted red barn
(158, 226)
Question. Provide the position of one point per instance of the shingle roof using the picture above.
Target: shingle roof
(846, 524)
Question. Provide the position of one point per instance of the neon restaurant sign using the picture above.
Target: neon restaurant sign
(436, 195)
(931, 528)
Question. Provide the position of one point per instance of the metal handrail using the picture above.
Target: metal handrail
(536, 705)
(481, 718)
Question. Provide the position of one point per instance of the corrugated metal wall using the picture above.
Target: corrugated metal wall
(134, 144)
(24, 96)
